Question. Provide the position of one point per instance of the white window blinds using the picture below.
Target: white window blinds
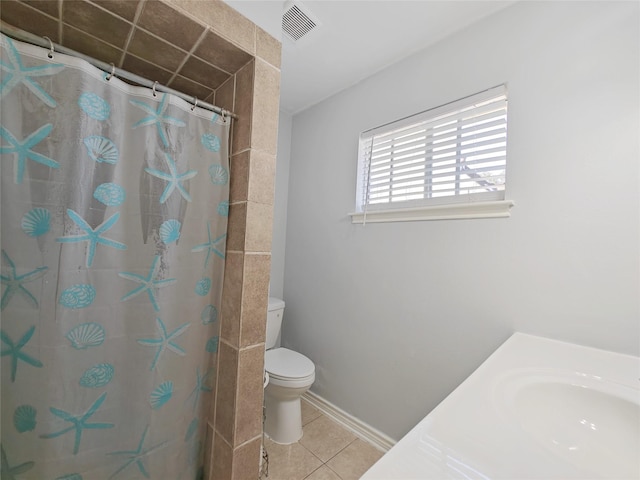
(449, 154)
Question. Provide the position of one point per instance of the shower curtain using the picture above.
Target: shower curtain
(113, 228)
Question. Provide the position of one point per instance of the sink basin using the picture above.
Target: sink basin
(535, 409)
(594, 427)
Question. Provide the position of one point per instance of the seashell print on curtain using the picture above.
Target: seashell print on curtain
(114, 208)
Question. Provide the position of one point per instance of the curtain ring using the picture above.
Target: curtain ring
(195, 103)
(223, 114)
(113, 72)
(51, 50)
(153, 89)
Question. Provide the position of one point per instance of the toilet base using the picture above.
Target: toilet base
(283, 423)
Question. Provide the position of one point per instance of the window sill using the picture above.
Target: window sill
(455, 211)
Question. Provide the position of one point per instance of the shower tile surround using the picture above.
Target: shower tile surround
(205, 49)
(149, 38)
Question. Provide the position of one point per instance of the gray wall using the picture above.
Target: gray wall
(396, 315)
(276, 284)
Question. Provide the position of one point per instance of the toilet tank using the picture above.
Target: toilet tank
(274, 321)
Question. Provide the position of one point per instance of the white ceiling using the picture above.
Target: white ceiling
(357, 39)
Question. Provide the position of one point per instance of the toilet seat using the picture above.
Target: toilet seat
(284, 364)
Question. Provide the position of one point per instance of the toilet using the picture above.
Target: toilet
(290, 375)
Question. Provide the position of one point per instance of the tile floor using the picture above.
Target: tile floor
(326, 451)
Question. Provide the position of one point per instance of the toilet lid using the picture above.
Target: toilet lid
(286, 363)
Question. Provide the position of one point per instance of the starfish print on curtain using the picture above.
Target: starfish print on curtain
(10, 472)
(157, 117)
(23, 150)
(93, 236)
(15, 283)
(79, 422)
(16, 73)
(150, 283)
(173, 178)
(137, 456)
(210, 246)
(200, 387)
(15, 350)
(165, 341)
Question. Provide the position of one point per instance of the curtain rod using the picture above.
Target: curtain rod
(24, 36)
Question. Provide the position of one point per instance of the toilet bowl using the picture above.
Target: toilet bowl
(290, 375)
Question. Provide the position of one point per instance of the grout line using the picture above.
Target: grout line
(189, 55)
(248, 149)
(313, 454)
(165, 69)
(333, 471)
(60, 29)
(42, 12)
(342, 449)
(136, 17)
(172, 74)
(248, 441)
(69, 26)
(244, 252)
(215, 431)
(338, 452)
(249, 347)
(323, 465)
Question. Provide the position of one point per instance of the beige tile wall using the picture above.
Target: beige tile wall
(238, 410)
(206, 49)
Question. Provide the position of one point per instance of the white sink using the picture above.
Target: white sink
(590, 423)
(535, 409)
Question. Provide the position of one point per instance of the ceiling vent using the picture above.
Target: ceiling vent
(298, 22)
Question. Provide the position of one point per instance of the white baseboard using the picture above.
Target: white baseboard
(366, 432)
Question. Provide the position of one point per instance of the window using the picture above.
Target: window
(450, 159)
